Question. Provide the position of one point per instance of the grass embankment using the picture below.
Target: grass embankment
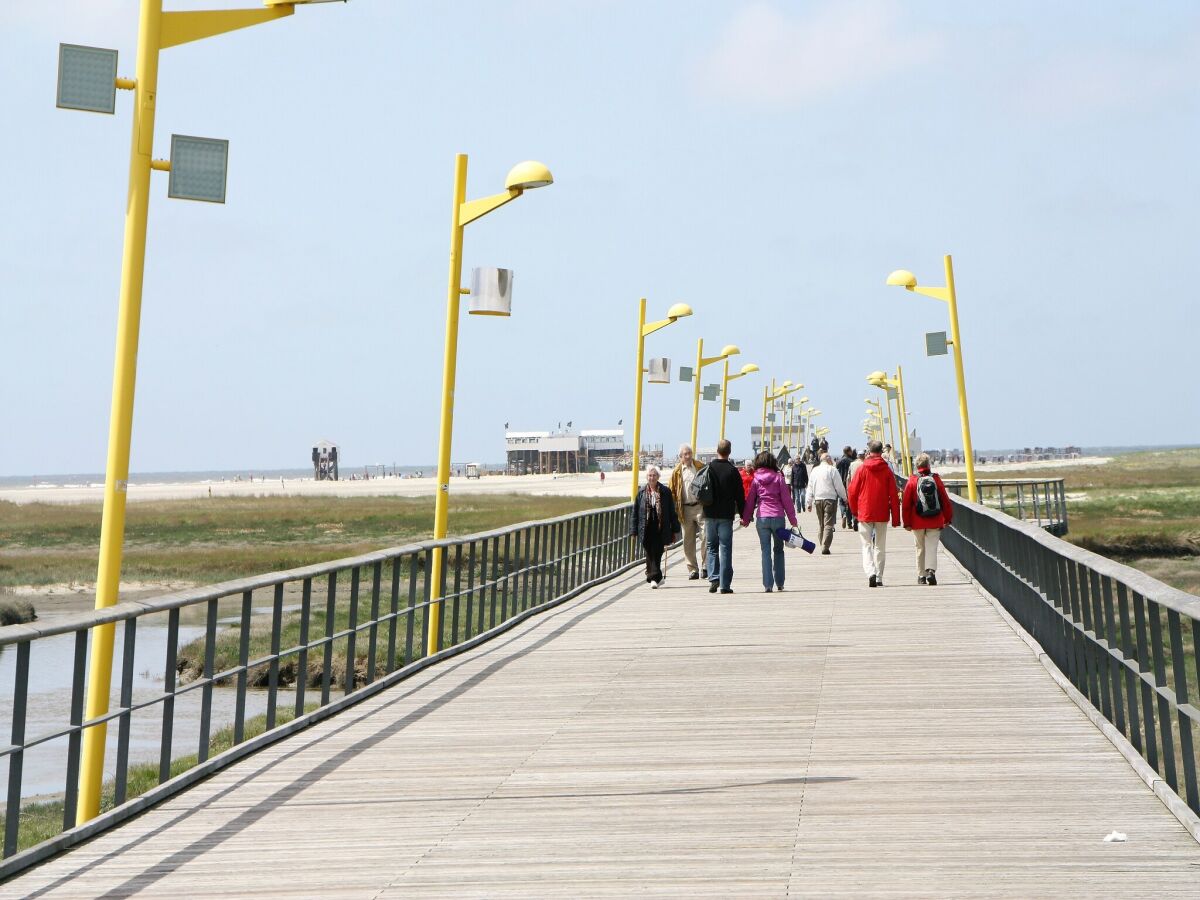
(14, 612)
(42, 821)
(210, 540)
(1142, 509)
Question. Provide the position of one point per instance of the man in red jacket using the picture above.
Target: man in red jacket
(874, 501)
(926, 511)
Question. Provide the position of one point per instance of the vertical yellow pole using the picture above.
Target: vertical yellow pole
(903, 419)
(449, 369)
(120, 423)
(762, 435)
(887, 404)
(696, 392)
(637, 400)
(771, 439)
(968, 452)
(724, 399)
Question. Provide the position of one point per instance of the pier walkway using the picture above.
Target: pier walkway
(830, 740)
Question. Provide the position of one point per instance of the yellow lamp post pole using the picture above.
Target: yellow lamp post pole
(157, 31)
(677, 311)
(767, 394)
(908, 281)
(524, 176)
(901, 403)
(701, 361)
(747, 369)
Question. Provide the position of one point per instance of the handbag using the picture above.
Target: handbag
(795, 539)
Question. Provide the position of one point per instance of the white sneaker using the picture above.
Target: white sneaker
(654, 585)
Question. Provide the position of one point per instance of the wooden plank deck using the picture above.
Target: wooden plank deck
(829, 740)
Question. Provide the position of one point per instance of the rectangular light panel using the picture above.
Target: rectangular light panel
(685, 373)
(935, 343)
(198, 168)
(87, 78)
(734, 405)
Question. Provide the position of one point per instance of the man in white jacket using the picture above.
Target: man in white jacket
(824, 489)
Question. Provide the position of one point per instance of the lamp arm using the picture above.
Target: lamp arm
(195, 25)
(471, 210)
(651, 327)
(937, 293)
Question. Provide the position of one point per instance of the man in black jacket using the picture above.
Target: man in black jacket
(843, 467)
(799, 482)
(728, 499)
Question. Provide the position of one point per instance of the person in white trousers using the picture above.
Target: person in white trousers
(875, 502)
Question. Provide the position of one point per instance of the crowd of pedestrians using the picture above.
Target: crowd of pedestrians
(701, 504)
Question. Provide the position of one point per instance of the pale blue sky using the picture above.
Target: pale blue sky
(767, 162)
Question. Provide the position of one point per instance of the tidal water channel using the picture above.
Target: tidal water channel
(51, 665)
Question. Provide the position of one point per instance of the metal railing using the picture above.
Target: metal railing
(1120, 636)
(348, 627)
(1042, 501)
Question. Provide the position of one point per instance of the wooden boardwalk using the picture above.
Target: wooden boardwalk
(829, 740)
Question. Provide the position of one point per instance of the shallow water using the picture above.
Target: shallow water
(51, 666)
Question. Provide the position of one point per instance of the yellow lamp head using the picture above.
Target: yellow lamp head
(802, 400)
(877, 379)
(786, 384)
(527, 176)
(730, 350)
(903, 278)
(678, 311)
(748, 368)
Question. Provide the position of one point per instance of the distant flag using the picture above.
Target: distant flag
(506, 426)
(569, 424)
(620, 421)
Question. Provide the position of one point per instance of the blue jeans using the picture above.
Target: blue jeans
(766, 538)
(718, 539)
(798, 498)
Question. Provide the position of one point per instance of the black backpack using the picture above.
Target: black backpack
(929, 504)
(701, 489)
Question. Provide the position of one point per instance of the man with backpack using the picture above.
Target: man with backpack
(926, 510)
(691, 511)
(725, 500)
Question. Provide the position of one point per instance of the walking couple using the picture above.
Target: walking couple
(768, 496)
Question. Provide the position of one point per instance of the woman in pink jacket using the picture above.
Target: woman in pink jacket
(770, 497)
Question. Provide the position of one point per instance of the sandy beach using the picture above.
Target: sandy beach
(615, 485)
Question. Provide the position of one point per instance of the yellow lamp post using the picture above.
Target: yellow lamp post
(676, 312)
(907, 280)
(779, 393)
(769, 396)
(522, 177)
(701, 361)
(806, 416)
(791, 416)
(80, 89)
(885, 419)
(881, 380)
(747, 369)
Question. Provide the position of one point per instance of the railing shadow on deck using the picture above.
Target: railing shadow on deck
(489, 582)
(1120, 636)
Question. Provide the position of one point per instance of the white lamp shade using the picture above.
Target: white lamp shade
(659, 371)
(491, 292)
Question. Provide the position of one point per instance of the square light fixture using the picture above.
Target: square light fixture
(893, 394)
(685, 373)
(659, 370)
(734, 404)
(199, 167)
(87, 78)
(935, 343)
(712, 391)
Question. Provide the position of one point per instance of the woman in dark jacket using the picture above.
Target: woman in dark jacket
(653, 521)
